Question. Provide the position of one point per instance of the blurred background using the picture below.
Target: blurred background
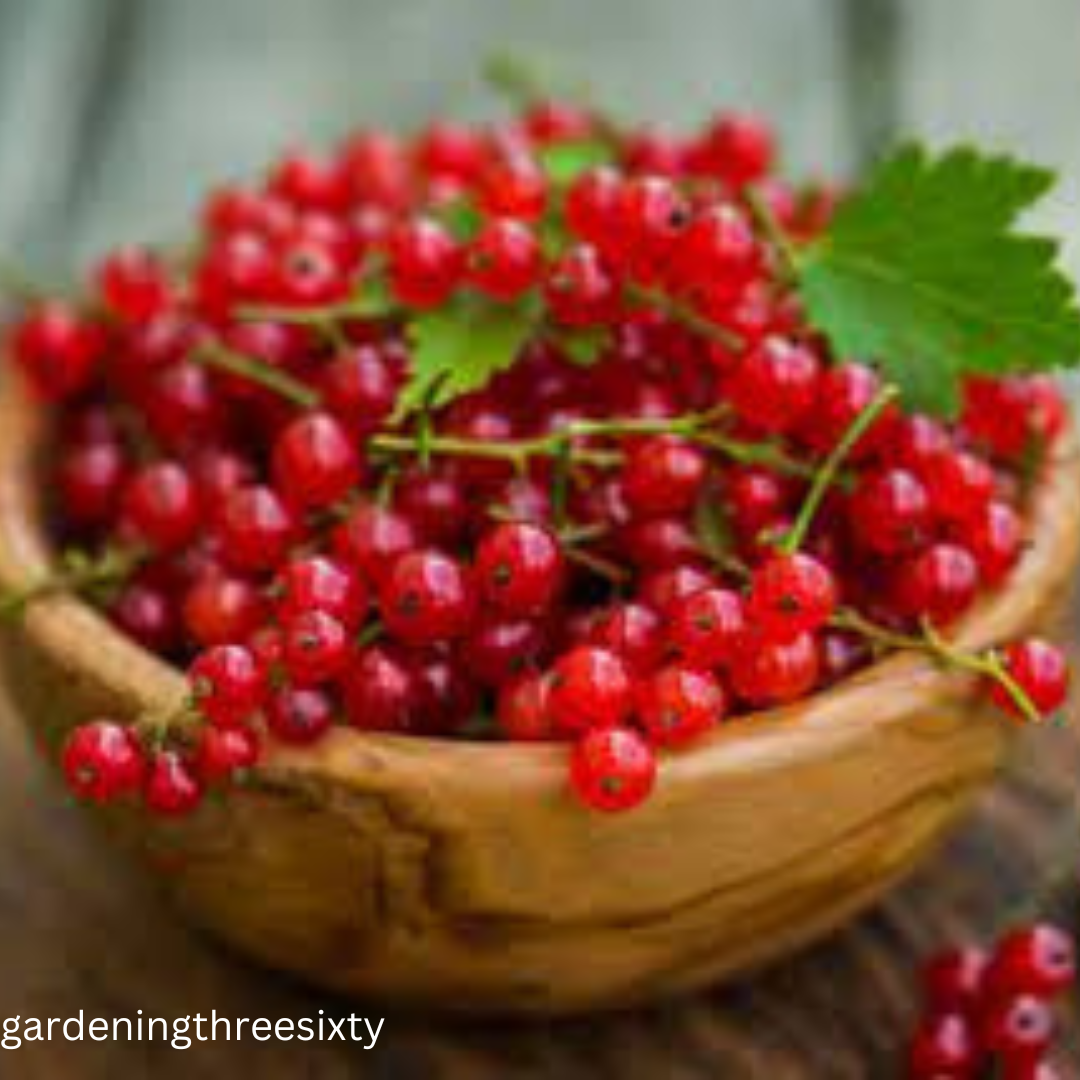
(116, 114)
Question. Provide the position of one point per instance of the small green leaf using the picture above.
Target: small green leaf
(563, 162)
(582, 347)
(374, 299)
(458, 348)
(924, 272)
(461, 217)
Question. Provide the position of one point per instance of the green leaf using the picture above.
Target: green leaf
(582, 347)
(373, 301)
(459, 348)
(924, 272)
(563, 162)
(461, 217)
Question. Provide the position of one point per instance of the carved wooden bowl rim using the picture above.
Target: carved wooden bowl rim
(90, 648)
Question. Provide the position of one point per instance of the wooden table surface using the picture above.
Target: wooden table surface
(114, 114)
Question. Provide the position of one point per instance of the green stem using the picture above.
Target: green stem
(78, 573)
(826, 475)
(216, 355)
(984, 664)
(773, 232)
(687, 316)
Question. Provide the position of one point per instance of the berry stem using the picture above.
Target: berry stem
(686, 315)
(773, 233)
(931, 643)
(826, 474)
(216, 355)
(78, 573)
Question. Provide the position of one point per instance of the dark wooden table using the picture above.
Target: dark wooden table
(114, 114)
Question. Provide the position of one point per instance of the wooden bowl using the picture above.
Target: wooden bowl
(462, 877)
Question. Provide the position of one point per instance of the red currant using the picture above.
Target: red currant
(677, 704)
(102, 761)
(612, 769)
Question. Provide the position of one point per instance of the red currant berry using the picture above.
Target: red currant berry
(996, 539)
(1040, 670)
(677, 704)
(299, 715)
(162, 504)
(360, 387)
(371, 538)
(221, 753)
(1038, 960)
(775, 384)
(633, 632)
(755, 498)
(706, 627)
(172, 789)
(1018, 1027)
(790, 595)
(228, 684)
(90, 477)
(133, 285)
(381, 693)
(612, 769)
(315, 463)
(718, 254)
(943, 1046)
(519, 568)
(938, 584)
(738, 148)
(318, 583)
(256, 528)
(315, 648)
(663, 589)
(663, 475)
(890, 511)
(960, 486)
(590, 688)
(149, 615)
(425, 264)
(844, 392)
(953, 981)
(773, 673)
(522, 711)
(219, 609)
(57, 350)
(427, 597)
(579, 289)
(592, 202)
(498, 650)
(513, 186)
(504, 261)
(102, 761)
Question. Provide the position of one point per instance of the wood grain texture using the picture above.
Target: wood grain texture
(461, 876)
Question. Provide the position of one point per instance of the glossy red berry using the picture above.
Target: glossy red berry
(513, 186)
(371, 538)
(133, 285)
(360, 386)
(504, 261)
(162, 504)
(943, 1046)
(1018, 1027)
(57, 349)
(633, 632)
(590, 688)
(256, 528)
(738, 148)
(1040, 670)
(425, 263)
(663, 475)
(890, 511)
(706, 627)
(315, 463)
(677, 704)
(939, 584)
(381, 692)
(319, 583)
(954, 980)
(580, 291)
(149, 615)
(769, 672)
(522, 711)
(790, 595)
(220, 609)
(519, 568)
(228, 684)
(497, 650)
(775, 384)
(300, 715)
(592, 202)
(172, 789)
(995, 537)
(315, 647)
(222, 753)
(960, 486)
(427, 597)
(103, 761)
(717, 255)
(1038, 960)
(90, 477)
(612, 769)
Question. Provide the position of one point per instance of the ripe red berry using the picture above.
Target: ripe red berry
(612, 769)
(773, 673)
(359, 386)
(1040, 670)
(315, 462)
(590, 688)
(1018, 1027)
(943, 1046)
(299, 715)
(148, 614)
(995, 537)
(1038, 960)
(519, 568)
(90, 476)
(514, 186)
(102, 761)
(652, 216)
(162, 504)
(939, 584)
(774, 385)
(256, 528)
(738, 148)
(497, 650)
(844, 392)
(228, 684)
(953, 981)
(960, 486)
(522, 711)
(219, 609)
(57, 350)
(755, 498)
(425, 263)
(427, 597)
(371, 538)
(172, 789)
(318, 583)
(663, 475)
(790, 595)
(890, 511)
(706, 627)
(221, 753)
(717, 255)
(133, 285)
(580, 291)
(315, 647)
(633, 632)
(504, 261)
(592, 202)
(677, 704)
(381, 693)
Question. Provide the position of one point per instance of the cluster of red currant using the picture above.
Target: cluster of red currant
(992, 1014)
(708, 515)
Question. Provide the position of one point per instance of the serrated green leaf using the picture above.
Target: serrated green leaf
(457, 349)
(923, 271)
(563, 162)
